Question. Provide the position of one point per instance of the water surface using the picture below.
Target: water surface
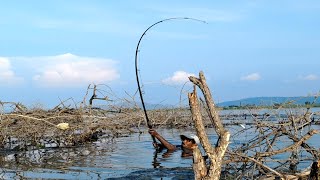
(106, 158)
(131, 157)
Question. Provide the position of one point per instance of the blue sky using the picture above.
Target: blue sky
(52, 50)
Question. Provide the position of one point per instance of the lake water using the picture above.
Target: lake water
(103, 159)
(131, 157)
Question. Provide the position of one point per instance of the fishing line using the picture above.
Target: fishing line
(136, 63)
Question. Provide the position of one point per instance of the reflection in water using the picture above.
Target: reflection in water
(155, 162)
(103, 159)
(165, 155)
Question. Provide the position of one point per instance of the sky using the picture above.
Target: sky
(51, 51)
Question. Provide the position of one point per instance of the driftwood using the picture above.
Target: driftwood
(314, 173)
(253, 156)
(94, 96)
(215, 154)
(291, 147)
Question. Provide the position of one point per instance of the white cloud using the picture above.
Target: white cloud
(251, 77)
(310, 77)
(68, 70)
(179, 77)
(7, 75)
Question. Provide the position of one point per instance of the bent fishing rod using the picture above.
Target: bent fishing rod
(136, 64)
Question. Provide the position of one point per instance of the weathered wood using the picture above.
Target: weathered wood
(215, 154)
(289, 148)
(314, 174)
(306, 146)
(259, 163)
(214, 116)
(199, 165)
(94, 96)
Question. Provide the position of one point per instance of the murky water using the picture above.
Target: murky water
(131, 157)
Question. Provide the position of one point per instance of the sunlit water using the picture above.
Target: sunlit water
(131, 157)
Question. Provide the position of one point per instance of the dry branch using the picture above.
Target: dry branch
(202, 84)
(291, 147)
(215, 154)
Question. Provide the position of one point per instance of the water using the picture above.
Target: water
(131, 157)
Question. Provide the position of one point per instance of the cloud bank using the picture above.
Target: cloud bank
(7, 75)
(179, 77)
(68, 70)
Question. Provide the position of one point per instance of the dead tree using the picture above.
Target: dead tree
(215, 154)
(94, 96)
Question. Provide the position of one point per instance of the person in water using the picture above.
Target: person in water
(188, 144)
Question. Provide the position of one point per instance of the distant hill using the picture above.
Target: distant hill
(255, 101)
(269, 101)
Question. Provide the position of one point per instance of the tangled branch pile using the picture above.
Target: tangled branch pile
(25, 129)
(272, 144)
(274, 149)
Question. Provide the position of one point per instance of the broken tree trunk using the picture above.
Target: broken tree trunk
(215, 154)
(314, 174)
(214, 116)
